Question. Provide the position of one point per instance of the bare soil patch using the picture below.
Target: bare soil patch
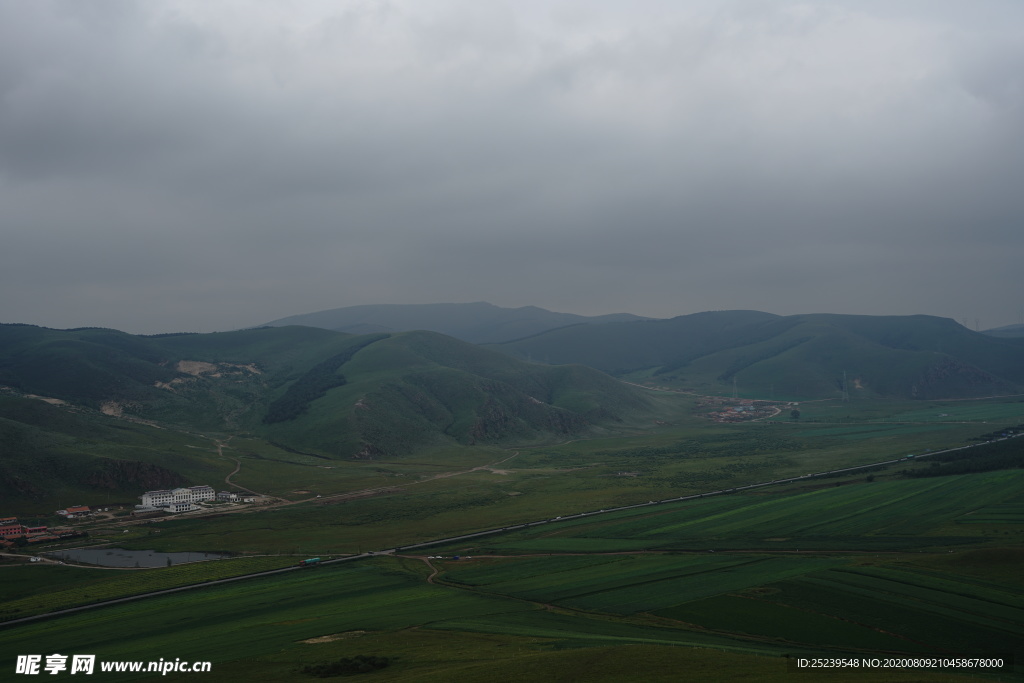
(334, 636)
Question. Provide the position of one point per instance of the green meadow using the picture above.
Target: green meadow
(439, 493)
(725, 587)
(29, 590)
(506, 604)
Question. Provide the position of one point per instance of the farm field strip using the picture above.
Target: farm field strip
(634, 583)
(128, 583)
(936, 611)
(931, 624)
(265, 615)
(582, 629)
(627, 571)
(782, 623)
(898, 508)
(947, 585)
(991, 612)
(645, 597)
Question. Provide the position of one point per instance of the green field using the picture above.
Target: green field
(265, 629)
(29, 590)
(885, 516)
(540, 602)
(421, 501)
(725, 585)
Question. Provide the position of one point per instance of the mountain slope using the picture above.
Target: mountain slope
(802, 356)
(478, 322)
(52, 456)
(620, 348)
(1008, 331)
(419, 389)
(341, 395)
(205, 381)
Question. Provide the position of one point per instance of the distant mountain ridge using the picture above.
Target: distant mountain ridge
(79, 407)
(1006, 331)
(477, 323)
(801, 356)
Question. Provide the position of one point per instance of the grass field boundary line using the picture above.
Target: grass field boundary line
(887, 502)
(941, 591)
(165, 591)
(109, 587)
(920, 605)
(871, 627)
(887, 574)
(588, 615)
(966, 579)
(659, 579)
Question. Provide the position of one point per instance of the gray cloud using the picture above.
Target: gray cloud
(190, 165)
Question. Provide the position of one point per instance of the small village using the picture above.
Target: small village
(155, 504)
(14, 534)
(722, 409)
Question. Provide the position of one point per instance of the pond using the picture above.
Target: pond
(118, 557)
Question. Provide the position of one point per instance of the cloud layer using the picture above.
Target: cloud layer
(199, 166)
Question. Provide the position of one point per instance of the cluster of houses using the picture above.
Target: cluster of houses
(75, 511)
(185, 499)
(738, 410)
(14, 533)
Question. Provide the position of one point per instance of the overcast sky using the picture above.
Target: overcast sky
(195, 166)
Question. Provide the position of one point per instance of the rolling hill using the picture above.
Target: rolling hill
(333, 394)
(1006, 331)
(478, 322)
(53, 456)
(798, 357)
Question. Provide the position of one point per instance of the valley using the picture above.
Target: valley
(694, 531)
(760, 556)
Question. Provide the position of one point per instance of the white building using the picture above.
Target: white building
(180, 507)
(177, 500)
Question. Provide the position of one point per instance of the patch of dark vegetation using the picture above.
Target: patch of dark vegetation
(320, 379)
(119, 474)
(346, 666)
(745, 361)
(998, 455)
(289, 449)
(733, 445)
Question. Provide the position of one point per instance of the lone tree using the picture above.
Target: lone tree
(795, 414)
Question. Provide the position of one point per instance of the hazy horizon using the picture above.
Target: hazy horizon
(179, 165)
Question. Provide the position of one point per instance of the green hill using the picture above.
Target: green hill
(1008, 331)
(53, 456)
(338, 394)
(797, 357)
(203, 381)
(478, 322)
(416, 389)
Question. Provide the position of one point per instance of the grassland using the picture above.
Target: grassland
(843, 565)
(543, 609)
(266, 628)
(415, 499)
(28, 591)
